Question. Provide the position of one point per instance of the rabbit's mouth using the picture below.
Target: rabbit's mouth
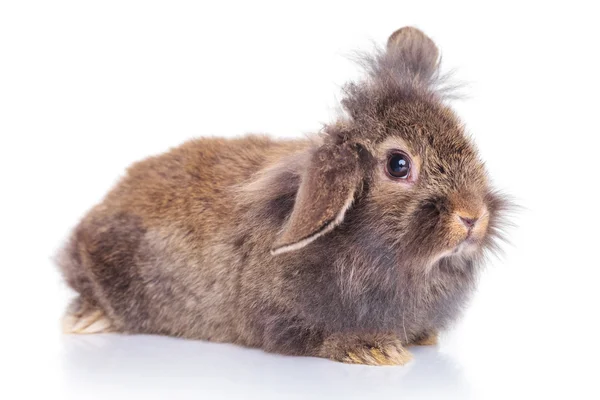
(469, 233)
(468, 243)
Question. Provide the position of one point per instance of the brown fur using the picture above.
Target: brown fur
(300, 247)
(430, 339)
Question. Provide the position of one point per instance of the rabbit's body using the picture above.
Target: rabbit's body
(158, 255)
(305, 247)
(167, 253)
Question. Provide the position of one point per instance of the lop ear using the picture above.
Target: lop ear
(326, 192)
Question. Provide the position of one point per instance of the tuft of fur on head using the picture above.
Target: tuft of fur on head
(407, 68)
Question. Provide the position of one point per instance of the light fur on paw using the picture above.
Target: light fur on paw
(389, 354)
(84, 319)
(377, 349)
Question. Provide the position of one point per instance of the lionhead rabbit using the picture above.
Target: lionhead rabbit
(352, 245)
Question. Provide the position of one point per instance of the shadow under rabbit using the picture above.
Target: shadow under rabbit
(160, 367)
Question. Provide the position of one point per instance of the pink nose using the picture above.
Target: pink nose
(468, 221)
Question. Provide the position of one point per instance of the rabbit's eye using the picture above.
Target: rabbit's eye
(398, 165)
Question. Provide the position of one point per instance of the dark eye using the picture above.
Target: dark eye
(398, 165)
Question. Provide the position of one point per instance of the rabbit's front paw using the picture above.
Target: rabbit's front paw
(368, 350)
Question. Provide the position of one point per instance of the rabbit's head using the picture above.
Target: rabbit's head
(399, 166)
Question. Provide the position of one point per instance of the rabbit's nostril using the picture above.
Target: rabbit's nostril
(468, 221)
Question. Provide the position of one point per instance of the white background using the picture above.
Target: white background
(86, 88)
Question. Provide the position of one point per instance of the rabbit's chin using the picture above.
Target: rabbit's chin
(466, 249)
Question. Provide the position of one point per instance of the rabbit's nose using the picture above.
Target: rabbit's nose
(469, 209)
(468, 221)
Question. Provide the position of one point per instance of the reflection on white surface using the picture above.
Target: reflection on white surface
(161, 367)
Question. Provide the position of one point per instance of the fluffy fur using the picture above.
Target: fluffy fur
(302, 247)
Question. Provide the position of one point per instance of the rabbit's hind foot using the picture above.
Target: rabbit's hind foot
(85, 318)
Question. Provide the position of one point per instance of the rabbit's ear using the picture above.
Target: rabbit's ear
(326, 192)
(410, 49)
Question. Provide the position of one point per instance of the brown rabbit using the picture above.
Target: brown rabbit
(350, 246)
